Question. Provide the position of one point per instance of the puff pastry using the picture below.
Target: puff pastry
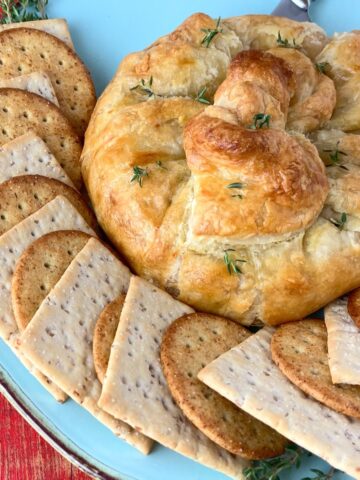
(256, 224)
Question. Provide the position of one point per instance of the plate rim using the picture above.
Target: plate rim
(14, 394)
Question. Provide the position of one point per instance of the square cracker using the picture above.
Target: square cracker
(29, 155)
(58, 340)
(247, 376)
(59, 214)
(35, 82)
(55, 26)
(135, 389)
(343, 343)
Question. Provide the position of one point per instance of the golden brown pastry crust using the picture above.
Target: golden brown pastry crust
(341, 58)
(181, 227)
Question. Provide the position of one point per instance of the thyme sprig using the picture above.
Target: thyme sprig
(232, 263)
(270, 469)
(260, 120)
(145, 87)
(285, 43)
(13, 11)
(334, 156)
(200, 97)
(210, 33)
(236, 185)
(340, 224)
(139, 175)
(320, 475)
(321, 66)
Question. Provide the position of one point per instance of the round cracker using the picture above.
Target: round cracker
(104, 334)
(39, 269)
(22, 111)
(299, 349)
(190, 343)
(21, 196)
(26, 50)
(353, 306)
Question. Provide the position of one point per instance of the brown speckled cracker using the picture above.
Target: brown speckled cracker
(104, 334)
(135, 389)
(55, 26)
(299, 349)
(353, 306)
(26, 50)
(39, 268)
(22, 111)
(58, 340)
(190, 343)
(21, 196)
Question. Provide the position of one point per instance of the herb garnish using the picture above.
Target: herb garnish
(139, 175)
(236, 185)
(231, 263)
(321, 66)
(160, 165)
(145, 87)
(271, 468)
(210, 33)
(260, 120)
(320, 475)
(284, 42)
(335, 156)
(13, 11)
(200, 97)
(339, 223)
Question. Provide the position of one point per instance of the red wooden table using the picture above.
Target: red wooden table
(24, 455)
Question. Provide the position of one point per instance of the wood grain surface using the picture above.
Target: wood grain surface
(24, 455)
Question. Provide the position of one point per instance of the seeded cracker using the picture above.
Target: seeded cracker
(29, 155)
(21, 112)
(54, 26)
(299, 349)
(35, 82)
(190, 343)
(343, 343)
(135, 389)
(39, 268)
(104, 334)
(247, 376)
(25, 50)
(58, 340)
(56, 215)
(21, 196)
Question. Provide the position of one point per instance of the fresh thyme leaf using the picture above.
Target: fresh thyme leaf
(236, 185)
(260, 120)
(321, 67)
(210, 33)
(270, 469)
(139, 175)
(145, 87)
(160, 165)
(200, 97)
(232, 263)
(334, 156)
(12, 11)
(284, 42)
(339, 223)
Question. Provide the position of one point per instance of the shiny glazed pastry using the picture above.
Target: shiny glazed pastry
(247, 208)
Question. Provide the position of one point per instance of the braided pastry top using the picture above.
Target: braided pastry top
(215, 164)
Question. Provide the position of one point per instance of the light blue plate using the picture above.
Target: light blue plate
(103, 32)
